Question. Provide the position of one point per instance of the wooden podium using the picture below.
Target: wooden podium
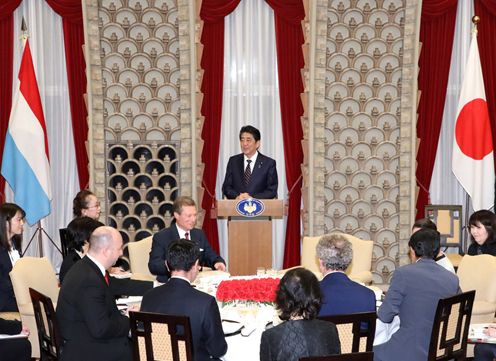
(250, 238)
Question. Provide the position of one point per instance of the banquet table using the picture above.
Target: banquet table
(255, 319)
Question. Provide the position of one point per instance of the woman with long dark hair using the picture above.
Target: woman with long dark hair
(11, 227)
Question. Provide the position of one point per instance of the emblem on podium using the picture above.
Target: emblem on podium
(250, 207)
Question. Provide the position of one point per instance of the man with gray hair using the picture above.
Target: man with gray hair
(92, 327)
(340, 295)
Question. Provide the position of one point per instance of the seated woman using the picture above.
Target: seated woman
(11, 227)
(482, 233)
(80, 230)
(86, 204)
(298, 300)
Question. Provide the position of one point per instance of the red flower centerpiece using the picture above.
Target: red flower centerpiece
(257, 290)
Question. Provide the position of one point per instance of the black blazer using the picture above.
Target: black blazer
(160, 245)
(486, 248)
(292, 340)
(119, 287)
(263, 181)
(178, 297)
(7, 298)
(90, 323)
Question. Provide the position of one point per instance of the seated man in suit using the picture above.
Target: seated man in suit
(413, 295)
(178, 297)
(182, 227)
(91, 326)
(250, 174)
(17, 349)
(340, 295)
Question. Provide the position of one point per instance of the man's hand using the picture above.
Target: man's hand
(491, 331)
(25, 330)
(219, 266)
(132, 308)
(243, 196)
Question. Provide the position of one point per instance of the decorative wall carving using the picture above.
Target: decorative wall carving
(363, 89)
(141, 77)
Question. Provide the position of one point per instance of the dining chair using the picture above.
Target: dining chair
(360, 268)
(36, 273)
(139, 254)
(47, 325)
(450, 328)
(65, 240)
(448, 219)
(356, 330)
(356, 356)
(478, 273)
(161, 337)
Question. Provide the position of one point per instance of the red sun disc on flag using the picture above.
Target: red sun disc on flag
(473, 130)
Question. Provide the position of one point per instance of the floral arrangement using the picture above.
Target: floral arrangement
(259, 290)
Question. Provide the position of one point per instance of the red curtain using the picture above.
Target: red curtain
(486, 10)
(72, 20)
(212, 13)
(7, 7)
(437, 28)
(289, 40)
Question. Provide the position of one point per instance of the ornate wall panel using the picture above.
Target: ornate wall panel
(362, 124)
(140, 79)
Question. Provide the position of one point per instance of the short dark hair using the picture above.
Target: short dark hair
(252, 130)
(7, 212)
(80, 202)
(182, 201)
(424, 223)
(298, 294)
(488, 220)
(425, 243)
(80, 230)
(182, 255)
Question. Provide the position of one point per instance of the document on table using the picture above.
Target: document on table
(9, 337)
(476, 333)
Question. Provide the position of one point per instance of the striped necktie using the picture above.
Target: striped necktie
(247, 174)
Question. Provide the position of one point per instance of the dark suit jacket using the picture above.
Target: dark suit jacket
(90, 323)
(342, 296)
(263, 181)
(487, 248)
(413, 295)
(178, 297)
(293, 340)
(119, 287)
(15, 349)
(160, 245)
(7, 297)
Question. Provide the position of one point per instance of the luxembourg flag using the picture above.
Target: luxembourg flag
(473, 162)
(25, 163)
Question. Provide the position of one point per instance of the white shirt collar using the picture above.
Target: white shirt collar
(253, 160)
(102, 269)
(182, 232)
(181, 278)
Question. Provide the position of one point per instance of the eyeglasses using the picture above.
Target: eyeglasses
(97, 205)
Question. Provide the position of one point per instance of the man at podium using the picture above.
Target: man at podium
(250, 174)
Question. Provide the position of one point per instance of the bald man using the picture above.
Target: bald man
(91, 325)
